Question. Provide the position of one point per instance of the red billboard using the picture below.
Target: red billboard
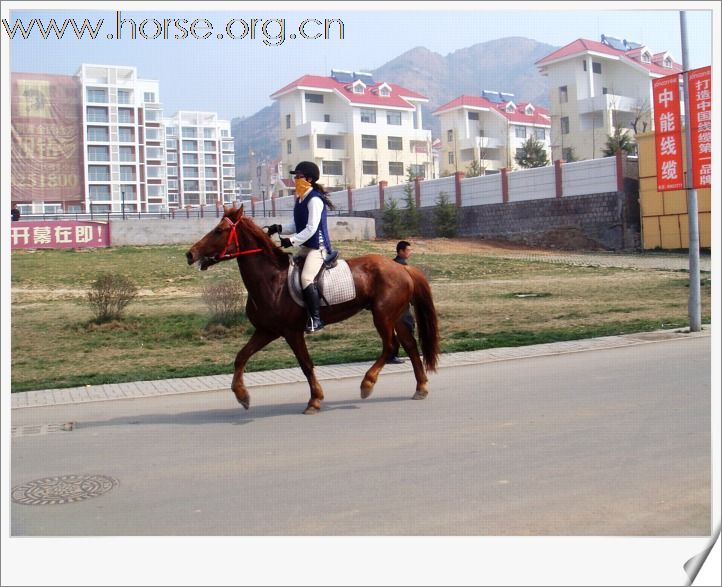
(47, 140)
(700, 114)
(59, 234)
(668, 133)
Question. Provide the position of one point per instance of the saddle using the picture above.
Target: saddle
(334, 280)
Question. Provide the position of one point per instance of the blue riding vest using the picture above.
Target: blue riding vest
(300, 218)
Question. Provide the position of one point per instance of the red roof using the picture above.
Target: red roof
(581, 46)
(370, 96)
(540, 117)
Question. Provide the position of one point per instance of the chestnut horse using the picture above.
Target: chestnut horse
(382, 286)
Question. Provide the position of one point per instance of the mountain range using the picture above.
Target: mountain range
(505, 65)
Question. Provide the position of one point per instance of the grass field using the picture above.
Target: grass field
(483, 301)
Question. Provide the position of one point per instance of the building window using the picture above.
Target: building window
(358, 88)
(171, 131)
(393, 118)
(368, 115)
(473, 115)
(225, 133)
(172, 157)
(327, 143)
(449, 135)
(96, 153)
(124, 96)
(314, 98)
(327, 118)
(172, 171)
(332, 168)
(368, 141)
(98, 173)
(126, 153)
(98, 133)
(288, 147)
(172, 184)
(155, 191)
(154, 153)
(418, 170)
(190, 159)
(370, 167)
(451, 157)
(540, 134)
(98, 95)
(153, 115)
(95, 114)
(564, 122)
(520, 132)
(211, 172)
(188, 132)
(125, 115)
(127, 173)
(190, 185)
(171, 144)
(563, 94)
(190, 145)
(209, 133)
(149, 97)
(604, 91)
(125, 135)
(210, 159)
(152, 134)
(396, 168)
(385, 92)
(668, 62)
(567, 154)
(154, 172)
(646, 57)
(519, 153)
(229, 158)
(99, 192)
(209, 145)
(596, 67)
(288, 121)
(396, 144)
(190, 172)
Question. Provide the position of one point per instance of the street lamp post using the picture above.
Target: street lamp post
(122, 197)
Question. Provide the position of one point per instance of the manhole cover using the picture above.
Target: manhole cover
(65, 489)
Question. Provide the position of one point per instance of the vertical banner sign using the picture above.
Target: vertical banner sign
(668, 133)
(700, 113)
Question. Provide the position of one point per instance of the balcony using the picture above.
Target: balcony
(483, 142)
(609, 102)
(320, 128)
(330, 154)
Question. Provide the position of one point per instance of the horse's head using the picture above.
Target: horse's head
(219, 244)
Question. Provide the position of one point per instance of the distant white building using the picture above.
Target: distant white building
(489, 129)
(595, 86)
(200, 160)
(356, 129)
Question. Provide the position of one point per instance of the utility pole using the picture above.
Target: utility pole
(693, 305)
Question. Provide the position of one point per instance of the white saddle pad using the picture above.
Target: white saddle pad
(334, 285)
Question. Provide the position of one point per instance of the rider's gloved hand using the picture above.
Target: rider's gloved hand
(274, 228)
(285, 242)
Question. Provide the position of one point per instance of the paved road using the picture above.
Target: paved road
(611, 441)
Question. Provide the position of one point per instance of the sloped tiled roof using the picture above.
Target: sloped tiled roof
(581, 46)
(540, 117)
(399, 97)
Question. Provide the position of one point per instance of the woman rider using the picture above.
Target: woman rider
(309, 231)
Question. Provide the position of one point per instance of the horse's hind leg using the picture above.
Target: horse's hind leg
(297, 342)
(259, 339)
(403, 333)
(385, 328)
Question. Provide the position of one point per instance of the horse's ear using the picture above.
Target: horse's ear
(227, 210)
(240, 210)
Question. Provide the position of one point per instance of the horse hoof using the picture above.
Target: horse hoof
(246, 403)
(311, 410)
(420, 395)
(366, 391)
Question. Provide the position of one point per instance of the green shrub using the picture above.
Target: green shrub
(445, 221)
(392, 219)
(109, 295)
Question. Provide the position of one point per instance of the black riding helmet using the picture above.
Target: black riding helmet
(307, 169)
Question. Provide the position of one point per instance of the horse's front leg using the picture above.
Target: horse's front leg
(259, 339)
(297, 342)
(385, 328)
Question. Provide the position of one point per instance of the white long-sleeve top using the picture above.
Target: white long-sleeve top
(315, 209)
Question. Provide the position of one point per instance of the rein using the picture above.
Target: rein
(233, 238)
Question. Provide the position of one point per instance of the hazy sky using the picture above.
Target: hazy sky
(236, 77)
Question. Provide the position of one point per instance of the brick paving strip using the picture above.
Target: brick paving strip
(671, 262)
(137, 389)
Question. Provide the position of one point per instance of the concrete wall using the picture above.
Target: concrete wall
(186, 231)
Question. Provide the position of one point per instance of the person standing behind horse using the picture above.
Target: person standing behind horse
(403, 252)
(309, 231)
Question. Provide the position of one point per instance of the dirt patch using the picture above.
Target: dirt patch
(465, 245)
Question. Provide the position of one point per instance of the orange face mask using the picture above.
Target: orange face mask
(301, 187)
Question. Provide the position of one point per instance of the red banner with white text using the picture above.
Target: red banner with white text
(59, 234)
(668, 133)
(700, 114)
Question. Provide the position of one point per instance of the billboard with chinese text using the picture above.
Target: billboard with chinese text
(700, 114)
(59, 234)
(47, 141)
(668, 133)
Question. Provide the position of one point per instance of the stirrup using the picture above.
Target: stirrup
(313, 326)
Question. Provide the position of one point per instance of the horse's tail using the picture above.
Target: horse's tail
(425, 317)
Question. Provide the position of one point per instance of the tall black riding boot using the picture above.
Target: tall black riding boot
(313, 304)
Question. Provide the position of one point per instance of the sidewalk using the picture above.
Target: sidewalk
(139, 389)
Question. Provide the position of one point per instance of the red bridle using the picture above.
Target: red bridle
(233, 237)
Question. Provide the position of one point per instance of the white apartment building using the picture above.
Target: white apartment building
(200, 160)
(595, 86)
(489, 129)
(122, 140)
(356, 129)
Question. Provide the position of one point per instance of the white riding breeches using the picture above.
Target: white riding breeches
(314, 260)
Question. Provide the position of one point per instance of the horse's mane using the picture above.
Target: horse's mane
(264, 242)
